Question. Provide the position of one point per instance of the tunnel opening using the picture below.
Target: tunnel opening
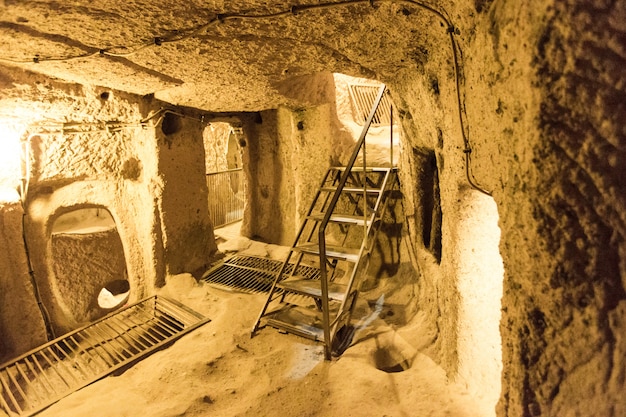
(171, 124)
(114, 294)
(354, 97)
(88, 262)
(226, 183)
(391, 359)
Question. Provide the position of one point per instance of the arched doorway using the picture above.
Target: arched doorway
(225, 178)
(89, 263)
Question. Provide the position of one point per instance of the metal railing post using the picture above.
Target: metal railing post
(391, 136)
(364, 194)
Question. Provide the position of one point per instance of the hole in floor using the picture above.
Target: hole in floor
(391, 360)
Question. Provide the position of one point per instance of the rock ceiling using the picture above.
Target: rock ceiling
(216, 55)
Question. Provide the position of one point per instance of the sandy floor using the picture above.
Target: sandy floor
(218, 370)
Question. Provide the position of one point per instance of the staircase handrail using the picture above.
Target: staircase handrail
(327, 215)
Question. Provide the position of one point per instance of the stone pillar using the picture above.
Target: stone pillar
(183, 208)
(269, 215)
(287, 154)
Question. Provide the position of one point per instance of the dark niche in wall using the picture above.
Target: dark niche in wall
(427, 202)
(171, 124)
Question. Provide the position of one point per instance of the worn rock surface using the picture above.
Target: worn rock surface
(21, 322)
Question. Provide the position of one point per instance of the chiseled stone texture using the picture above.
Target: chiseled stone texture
(567, 317)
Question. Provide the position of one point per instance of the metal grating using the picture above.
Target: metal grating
(363, 96)
(50, 372)
(227, 190)
(252, 274)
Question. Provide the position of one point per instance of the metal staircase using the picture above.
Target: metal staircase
(336, 236)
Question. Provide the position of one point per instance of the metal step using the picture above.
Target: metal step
(334, 252)
(313, 288)
(373, 176)
(357, 190)
(298, 320)
(52, 371)
(343, 218)
(367, 169)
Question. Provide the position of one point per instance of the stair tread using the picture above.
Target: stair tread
(342, 218)
(336, 252)
(372, 190)
(360, 169)
(313, 288)
(303, 321)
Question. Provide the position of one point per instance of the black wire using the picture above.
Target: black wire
(44, 313)
(293, 11)
(466, 142)
(221, 18)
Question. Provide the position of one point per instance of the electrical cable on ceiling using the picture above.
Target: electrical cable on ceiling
(163, 111)
(295, 10)
(73, 128)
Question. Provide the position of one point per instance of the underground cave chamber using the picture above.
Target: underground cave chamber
(84, 235)
(530, 279)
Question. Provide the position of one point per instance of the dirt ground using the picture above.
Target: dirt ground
(219, 370)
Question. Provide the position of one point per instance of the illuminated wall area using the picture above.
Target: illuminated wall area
(59, 165)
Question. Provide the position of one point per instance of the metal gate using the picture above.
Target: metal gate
(226, 196)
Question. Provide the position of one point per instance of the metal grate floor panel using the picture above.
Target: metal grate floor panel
(52, 371)
(251, 274)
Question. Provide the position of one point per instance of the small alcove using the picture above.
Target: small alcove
(88, 263)
(428, 215)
